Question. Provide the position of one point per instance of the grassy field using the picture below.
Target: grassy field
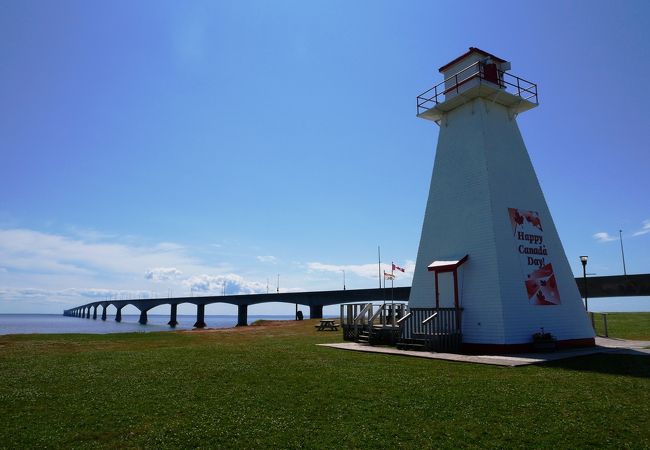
(271, 386)
(624, 325)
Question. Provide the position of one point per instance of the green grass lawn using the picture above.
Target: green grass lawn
(624, 325)
(271, 386)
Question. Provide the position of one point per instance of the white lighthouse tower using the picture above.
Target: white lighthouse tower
(489, 247)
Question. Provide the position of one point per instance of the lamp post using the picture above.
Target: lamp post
(620, 235)
(583, 260)
(343, 279)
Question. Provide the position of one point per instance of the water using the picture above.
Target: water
(57, 324)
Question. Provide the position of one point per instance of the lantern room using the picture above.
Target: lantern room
(476, 73)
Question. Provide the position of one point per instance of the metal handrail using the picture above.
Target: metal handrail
(403, 318)
(520, 86)
(430, 318)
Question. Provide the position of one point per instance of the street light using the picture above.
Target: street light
(583, 260)
(343, 279)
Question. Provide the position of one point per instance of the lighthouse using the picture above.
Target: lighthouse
(489, 249)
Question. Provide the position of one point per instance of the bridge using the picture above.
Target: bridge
(597, 287)
(315, 301)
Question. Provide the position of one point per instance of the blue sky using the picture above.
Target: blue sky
(172, 147)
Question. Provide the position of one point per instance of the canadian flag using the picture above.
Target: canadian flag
(396, 267)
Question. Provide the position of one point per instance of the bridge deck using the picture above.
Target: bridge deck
(597, 287)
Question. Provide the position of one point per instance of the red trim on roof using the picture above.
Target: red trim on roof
(469, 52)
(448, 267)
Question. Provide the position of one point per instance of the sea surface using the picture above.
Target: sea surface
(57, 324)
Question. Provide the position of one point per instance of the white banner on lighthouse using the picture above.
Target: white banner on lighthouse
(534, 259)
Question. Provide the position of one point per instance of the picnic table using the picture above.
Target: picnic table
(327, 325)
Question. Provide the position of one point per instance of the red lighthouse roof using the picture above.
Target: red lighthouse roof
(469, 52)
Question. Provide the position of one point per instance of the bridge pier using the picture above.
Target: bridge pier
(88, 313)
(200, 316)
(242, 315)
(95, 312)
(118, 314)
(316, 311)
(172, 316)
(143, 317)
(104, 308)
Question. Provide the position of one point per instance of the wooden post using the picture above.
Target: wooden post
(605, 323)
(456, 302)
(456, 288)
(437, 291)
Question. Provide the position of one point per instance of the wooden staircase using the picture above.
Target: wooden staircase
(431, 329)
(364, 337)
(423, 329)
(371, 324)
(412, 344)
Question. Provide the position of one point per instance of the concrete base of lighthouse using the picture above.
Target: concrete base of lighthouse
(529, 347)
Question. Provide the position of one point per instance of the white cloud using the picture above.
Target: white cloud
(37, 252)
(69, 297)
(644, 230)
(48, 272)
(162, 273)
(362, 270)
(409, 266)
(267, 259)
(604, 237)
(234, 284)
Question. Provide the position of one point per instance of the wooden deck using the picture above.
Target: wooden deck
(429, 329)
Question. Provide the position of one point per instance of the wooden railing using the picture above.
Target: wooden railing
(440, 328)
(358, 317)
(388, 315)
(354, 319)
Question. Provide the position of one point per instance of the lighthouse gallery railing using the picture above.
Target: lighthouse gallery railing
(511, 83)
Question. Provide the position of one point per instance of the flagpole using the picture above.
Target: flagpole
(392, 279)
(392, 301)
